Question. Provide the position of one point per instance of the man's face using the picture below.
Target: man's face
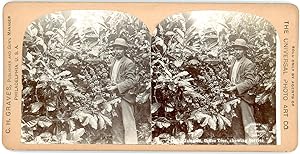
(239, 52)
(119, 52)
(209, 41)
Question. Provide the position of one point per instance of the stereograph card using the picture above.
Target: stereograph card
(150, 76)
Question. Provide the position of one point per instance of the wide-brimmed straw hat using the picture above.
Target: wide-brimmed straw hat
(120, 42)
(209, 33)
(240, 43)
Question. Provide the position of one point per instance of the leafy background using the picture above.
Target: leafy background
(188, 78)
(65, 72)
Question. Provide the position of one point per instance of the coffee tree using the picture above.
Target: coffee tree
(65, 74)
(189, 80)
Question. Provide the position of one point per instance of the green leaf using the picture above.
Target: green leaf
(169, 109)
(212, 123)
(163, 122)
(75, 93)
(215, 103)
(51, 106)
(44, 78)
(32, 71)
(29, 56)
(142, 98)
(32, 123)
(227, 107)
(178, 63)
(36, 106)
(71, 33)
(180, 32)
(80, 115)
(205, 122)
(234, 102)
(107, 120)
(269, 86)
(196, 134)
(226, 121)
(155, 107)
(39, 41)
(168, 72)
(184, 83)
(61, 34)
(190, 126)
(198, 115)
(114, 101)
(63, 137)
(59, 62)
(220, 123)
(74, 61)
(101, 122)
(65, 82)
(107, 106)
(44, 121)
(85, 121)
(69, 98)
(179, 116)
(61, 116)
(26, 91)
(99, 100)
(71, 125)
(181, 74)
(31, 31)
(158, 86)
(271, 139)
(194, 62)
(172, 87)
(48, 70)
(169, 33)
(93, 122)
(46, 135)
(75, 135)
(49, 33)
(41, 85)
(64, 73)
(264, 98)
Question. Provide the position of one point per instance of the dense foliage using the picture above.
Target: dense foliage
(66, 71)
(65, 74)
(189, 77)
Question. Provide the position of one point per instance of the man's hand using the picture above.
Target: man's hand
(112, 88)
(231, 89)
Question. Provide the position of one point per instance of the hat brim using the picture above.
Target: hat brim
(243, 46)
(209, 37)
(120, 45)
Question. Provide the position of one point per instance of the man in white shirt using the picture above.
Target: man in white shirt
(123, 78)
(243, 77)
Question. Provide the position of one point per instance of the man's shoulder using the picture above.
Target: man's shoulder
(248, 61)
(128, 60)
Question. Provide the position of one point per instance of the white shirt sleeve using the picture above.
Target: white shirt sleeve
(234, 71)
(115, 71)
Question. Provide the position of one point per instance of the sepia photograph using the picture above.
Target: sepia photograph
(93, 76)
(214, 79)
(98, 77)
(86, 79)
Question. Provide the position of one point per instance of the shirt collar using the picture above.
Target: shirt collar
(118, 60)
(242, 59)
